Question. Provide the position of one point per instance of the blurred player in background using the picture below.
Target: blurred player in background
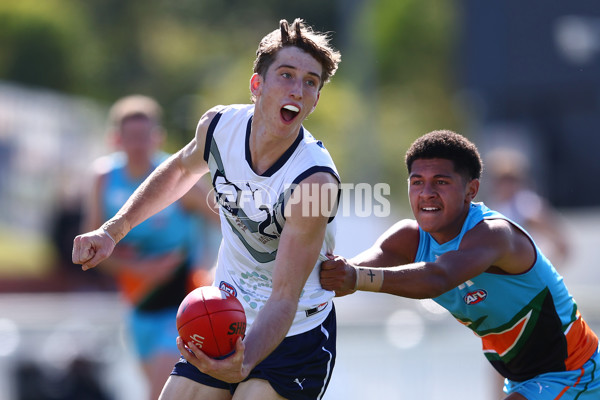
(277, 188)
(155, 265)
(510, 193)
(483, 268)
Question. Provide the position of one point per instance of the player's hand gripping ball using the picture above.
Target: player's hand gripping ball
(212, 319)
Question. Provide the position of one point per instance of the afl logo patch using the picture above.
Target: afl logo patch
(475, 297)
(227, 287)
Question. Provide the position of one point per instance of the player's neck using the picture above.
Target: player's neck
(138, 168)
(266, 148)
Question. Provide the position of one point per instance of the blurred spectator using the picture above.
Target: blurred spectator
(511, 192)
(6, 155)
(154, 264)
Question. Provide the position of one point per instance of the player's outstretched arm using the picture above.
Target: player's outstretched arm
(167, 183)
(396, 246)
(493, 244)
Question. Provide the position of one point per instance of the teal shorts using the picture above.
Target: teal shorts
(154, 332)
(581, 384)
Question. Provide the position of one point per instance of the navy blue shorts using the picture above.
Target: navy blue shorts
(298, 369)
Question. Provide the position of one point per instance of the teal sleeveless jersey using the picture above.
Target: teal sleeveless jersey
(168, 230)
(528, 323)
(172, 229)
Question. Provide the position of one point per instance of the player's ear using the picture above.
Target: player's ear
(472, 190)
(255, 84)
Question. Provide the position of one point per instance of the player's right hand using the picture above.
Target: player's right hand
(230, 369)
(338, 275)
(92, 248)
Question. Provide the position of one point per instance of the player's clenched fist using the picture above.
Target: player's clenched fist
(91, 248)
(338, 275)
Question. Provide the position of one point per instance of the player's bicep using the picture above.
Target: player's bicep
(303, 234)
(299, 248)
(464, 264)
(481, 248)
(315, 196)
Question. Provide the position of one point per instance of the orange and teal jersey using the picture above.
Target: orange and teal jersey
(528, 323)
(167, 231)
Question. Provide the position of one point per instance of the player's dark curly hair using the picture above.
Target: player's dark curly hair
(447, 145)
(298, 34)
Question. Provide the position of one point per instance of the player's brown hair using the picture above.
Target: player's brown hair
(302, 36)
(134, 106)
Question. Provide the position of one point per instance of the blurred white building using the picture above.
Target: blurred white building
(47, 141)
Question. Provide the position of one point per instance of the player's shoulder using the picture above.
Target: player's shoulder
(498, 232)
(402, 231)
(313, 144)
(494, 226)
(218, 111)
(312, 154)
(405, 225)
(401, 239)
(205, 122)
(208, 116)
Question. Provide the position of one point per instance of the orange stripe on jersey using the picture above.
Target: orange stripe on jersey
(582, 342)
(502, 342)
(134, 285)
(569, 387)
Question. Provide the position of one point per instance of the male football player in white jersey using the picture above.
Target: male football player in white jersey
(277, 187)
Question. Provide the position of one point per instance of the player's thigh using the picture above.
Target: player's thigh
(256, 389)
(178, 387)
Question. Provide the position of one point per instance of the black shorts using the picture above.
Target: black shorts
(298, 369)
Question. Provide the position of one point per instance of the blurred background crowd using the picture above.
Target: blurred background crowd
(522, 80)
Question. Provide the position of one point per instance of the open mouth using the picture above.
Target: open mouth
(430, 209)
(289, 112)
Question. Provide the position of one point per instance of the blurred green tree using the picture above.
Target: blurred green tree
(395, 81)
(36, 44)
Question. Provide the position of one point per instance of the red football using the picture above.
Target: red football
(212, 319)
